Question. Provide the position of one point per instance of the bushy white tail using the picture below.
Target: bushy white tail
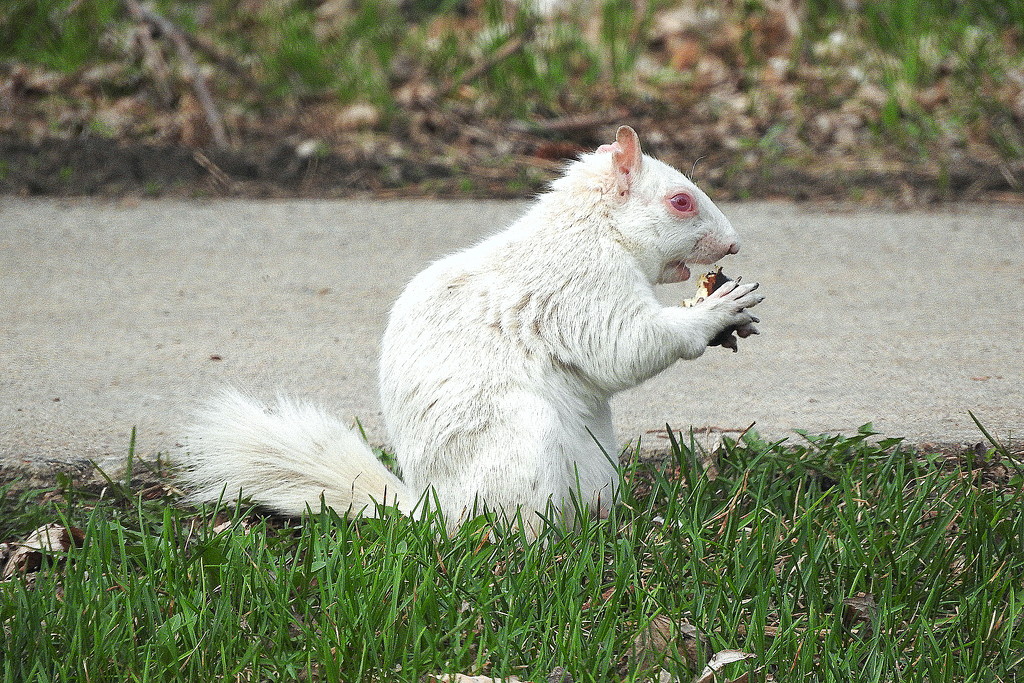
(285, 457)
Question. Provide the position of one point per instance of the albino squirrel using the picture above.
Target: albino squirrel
(498, 361)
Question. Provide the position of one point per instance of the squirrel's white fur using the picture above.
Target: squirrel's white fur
(498, 361)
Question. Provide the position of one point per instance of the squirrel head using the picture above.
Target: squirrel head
(664, 218)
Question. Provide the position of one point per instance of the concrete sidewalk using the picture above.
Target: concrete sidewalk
(114, 315)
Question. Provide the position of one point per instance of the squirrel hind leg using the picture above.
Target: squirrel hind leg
(532, 465)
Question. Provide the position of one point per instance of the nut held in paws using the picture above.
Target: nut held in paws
(709, 282)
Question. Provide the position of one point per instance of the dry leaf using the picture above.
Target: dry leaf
(245, 525)
(860, 607)
(560, 675)
(358, 116)
(663, 636)
(720, 659)
(27, 556)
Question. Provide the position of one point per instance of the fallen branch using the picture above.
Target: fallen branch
(179, 38)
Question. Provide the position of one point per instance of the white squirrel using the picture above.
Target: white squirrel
(498, 361)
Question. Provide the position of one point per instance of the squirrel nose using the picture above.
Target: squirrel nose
(734, 248)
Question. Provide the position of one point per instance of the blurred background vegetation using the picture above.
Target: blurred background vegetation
(916, 98)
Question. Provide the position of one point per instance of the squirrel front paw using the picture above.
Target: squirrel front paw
(734, 298)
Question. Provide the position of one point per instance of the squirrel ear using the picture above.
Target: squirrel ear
(626, 158)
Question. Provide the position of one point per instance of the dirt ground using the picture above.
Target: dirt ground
(95, 166)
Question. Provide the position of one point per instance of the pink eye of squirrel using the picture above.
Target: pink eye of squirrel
(683, 203)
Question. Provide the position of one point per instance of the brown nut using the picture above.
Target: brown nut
(709, 282)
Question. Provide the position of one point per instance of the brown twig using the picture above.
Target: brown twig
(566, 124)
(153, 59)
(513, 46)
(222, 179)
(223, 59)
(195, 75)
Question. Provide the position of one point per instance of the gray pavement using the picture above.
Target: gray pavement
(122, 314)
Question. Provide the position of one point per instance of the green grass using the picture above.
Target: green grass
(55, 33)
(916, 44)
(760, 558)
